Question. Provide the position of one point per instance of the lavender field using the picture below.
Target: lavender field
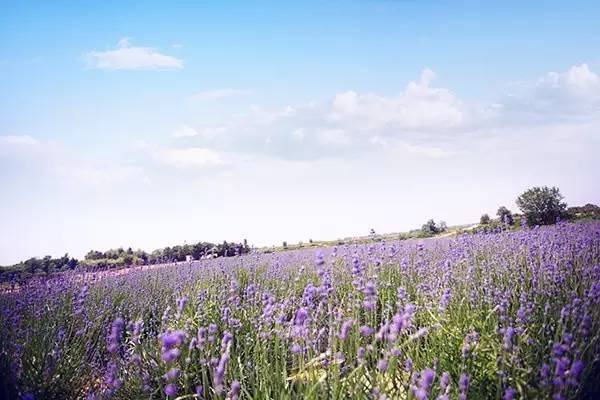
(505, 315)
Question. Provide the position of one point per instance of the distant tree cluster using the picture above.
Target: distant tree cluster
(589, 211)
(119, 258)
(114, 258)
(539, 206)
(37, 266)
(431, 228)
(199, 250)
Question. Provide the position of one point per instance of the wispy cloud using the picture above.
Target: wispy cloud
(185, 131)
(19, 140)
(128, 57)
(217, 94)
(571, 93)
(193, 157)
(420, 106)
(423, 120)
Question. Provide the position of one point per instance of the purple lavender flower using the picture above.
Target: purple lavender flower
(421, 391)
(360, 354)
(444, 381)
(509, 333)
(219, 372)
(575, 372)
(509, 394)
(301, 316)
(234, 390)
(172, 374)
(345, 329)
(382, 365)
(114, 337)
(170, 341)
(463, 386)
(365, 330)
(444, 300)
(171, 390)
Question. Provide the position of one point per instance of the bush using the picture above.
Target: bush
(505, 216)
(485, 219)
(431, 228)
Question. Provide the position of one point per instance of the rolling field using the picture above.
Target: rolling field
(507, 315)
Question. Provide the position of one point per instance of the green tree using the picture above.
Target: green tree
(430, 227)
(485, 219)
(542, 205)
(442, 227)
(505, 215)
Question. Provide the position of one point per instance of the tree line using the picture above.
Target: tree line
(538, 206)
(96, 260)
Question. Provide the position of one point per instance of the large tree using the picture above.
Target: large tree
(542, 205)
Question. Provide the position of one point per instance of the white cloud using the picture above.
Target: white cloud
(190, 157)
(403, 148)
(419, 106)
(128, 57)
(578, 80)
(425, 151)
(421, 120)
(19, 140)
(204, 133)
(298, 134)
(55, 160)
(98, 175)
(218, 94)
(334, 137)
(185, 131)
(348, 122)
(572, 93)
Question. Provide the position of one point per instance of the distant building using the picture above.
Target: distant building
(189, 258)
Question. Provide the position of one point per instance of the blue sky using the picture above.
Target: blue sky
(147, 124)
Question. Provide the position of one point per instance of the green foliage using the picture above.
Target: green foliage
(505, 216)
(96, 260)
(118, 257)
(38, 266)
(430, 228)
(588, 211)
(542, 205)
(485, 219)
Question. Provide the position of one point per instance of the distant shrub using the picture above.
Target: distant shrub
(505, 216)
(431, 228)
(588, 211)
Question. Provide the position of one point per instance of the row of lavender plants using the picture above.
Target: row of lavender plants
(506, 315)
